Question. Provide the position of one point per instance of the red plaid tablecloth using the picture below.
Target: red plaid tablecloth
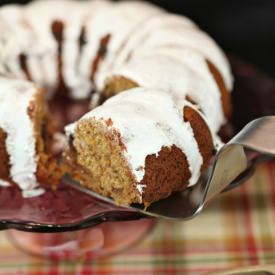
(237, 229)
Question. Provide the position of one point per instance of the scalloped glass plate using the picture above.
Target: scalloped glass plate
(68, 209)
(64, 209)
(68, 224)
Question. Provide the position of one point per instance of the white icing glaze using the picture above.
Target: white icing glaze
(15, 96)
(170, 30)
(132, 43)
(119, 21)
(186, 73)
(11, 45)
(60, 143)
(131, 32)
(35, 69)
(73, 15)
(34, 38)
(79, 85)
(4, 183)
(140, 188)
(33, 193)
(146, 29)
(151, 47)
(145, 127)
(193, 39)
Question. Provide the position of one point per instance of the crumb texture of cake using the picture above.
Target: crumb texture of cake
(25, 135)
(100, 152)
(129, 143)
(159, 89)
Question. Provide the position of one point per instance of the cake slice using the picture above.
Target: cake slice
(137, 152)
(26, 137)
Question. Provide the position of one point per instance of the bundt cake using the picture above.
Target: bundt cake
(162, 83)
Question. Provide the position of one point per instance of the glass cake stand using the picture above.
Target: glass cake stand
(67, 224)
(88, 244)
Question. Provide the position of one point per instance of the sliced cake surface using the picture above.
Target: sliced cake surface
(136, 151)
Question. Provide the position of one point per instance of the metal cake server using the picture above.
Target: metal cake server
(234, 164)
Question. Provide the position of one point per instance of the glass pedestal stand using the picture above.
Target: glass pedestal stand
(88, 244)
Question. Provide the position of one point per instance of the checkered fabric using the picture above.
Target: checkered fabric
(236, 229)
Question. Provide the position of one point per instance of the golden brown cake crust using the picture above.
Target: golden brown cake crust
(165, 173)
(102, 50)
(169, 171)
(225, 96)
(4, 158)
(57, 31)
(24, 66)
(202, 134)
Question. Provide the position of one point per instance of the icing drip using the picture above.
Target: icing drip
(133, 115)
(124, 20)
(34, 38)
(194, 39)
(72, 22)
(11, 46)
(20, 142)
(169, 31)
(146, 29)
(4, 183)
(140, 188)
(131, 33)
(33, 193)
(186, 73)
